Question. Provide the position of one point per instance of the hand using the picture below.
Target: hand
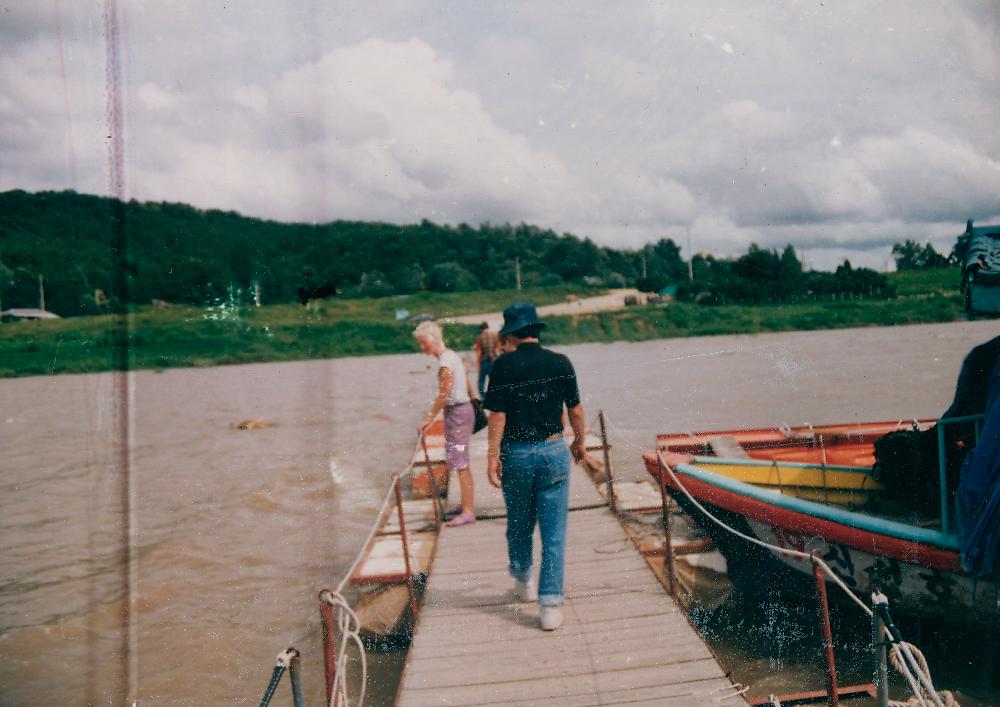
(494, 471)
(578, 449)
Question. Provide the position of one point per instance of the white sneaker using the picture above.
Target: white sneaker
(550, 618)
(526, 591)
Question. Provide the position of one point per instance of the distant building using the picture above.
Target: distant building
(28, 314)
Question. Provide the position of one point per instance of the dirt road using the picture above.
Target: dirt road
(615, 299)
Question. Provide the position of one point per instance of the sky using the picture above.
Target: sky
(838, 127)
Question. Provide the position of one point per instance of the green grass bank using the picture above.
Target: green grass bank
(193, 336)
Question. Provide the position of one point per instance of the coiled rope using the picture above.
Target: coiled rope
(904, 656)
(349, 628)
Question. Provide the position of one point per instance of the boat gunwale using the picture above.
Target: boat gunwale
(916, 542)
(801, 435)
(730, 461)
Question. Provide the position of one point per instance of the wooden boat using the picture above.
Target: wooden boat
(851, 486)
(848, 443)
(828, 463)
(913, 560)
(384, 606)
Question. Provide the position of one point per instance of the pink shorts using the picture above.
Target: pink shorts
(458, 421)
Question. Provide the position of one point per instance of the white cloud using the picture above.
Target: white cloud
(624, 124)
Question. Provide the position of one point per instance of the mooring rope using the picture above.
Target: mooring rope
(350, 631)
(348, 624)
(905, 662)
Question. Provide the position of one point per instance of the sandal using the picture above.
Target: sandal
(453, 511)
(463, 519)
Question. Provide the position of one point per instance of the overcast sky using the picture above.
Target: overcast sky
(837, 127)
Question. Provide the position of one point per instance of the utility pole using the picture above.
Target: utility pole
(690, 257)
(256, 293)
(643, 266)
(517, 271)
(41, 292)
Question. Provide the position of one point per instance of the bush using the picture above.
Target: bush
(451, 277)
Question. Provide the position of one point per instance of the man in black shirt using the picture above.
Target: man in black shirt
(528, 458)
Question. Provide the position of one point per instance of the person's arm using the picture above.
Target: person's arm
(446, 379)
(494, 470)
(576, 420)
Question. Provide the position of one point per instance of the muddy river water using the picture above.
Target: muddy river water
(235, 531)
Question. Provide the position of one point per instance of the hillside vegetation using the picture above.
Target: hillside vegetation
(203, 336)
(96, 255)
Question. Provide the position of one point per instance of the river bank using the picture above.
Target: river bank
(230, 333)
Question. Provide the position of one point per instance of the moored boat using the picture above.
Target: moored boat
(912, 559)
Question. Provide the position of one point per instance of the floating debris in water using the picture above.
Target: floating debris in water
(257, 424)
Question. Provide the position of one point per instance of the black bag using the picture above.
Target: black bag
(481, 420)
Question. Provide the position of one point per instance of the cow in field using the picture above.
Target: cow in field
(311, 293)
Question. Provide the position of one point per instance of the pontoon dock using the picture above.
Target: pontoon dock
(623, 639)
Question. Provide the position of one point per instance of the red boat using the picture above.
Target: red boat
(914, 560)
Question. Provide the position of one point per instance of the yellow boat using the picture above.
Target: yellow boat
(842, 485)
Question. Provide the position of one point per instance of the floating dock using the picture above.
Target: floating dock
(623, 639)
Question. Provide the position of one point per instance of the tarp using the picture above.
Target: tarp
(983, 255)
(978, 497)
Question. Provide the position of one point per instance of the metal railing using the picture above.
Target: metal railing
(943, 461)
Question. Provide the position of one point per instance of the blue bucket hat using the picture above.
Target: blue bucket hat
(518, 316)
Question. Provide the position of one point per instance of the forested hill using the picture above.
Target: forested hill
(178, 253)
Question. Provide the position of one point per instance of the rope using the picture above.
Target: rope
(371, 534)
(348, 625)
(386, 502)
(349, 628)
(903, 659)
(756, 541)
(903, 656)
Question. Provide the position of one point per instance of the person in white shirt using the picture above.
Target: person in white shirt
(453, 397)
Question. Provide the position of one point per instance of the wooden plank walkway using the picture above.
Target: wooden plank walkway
(623, 639)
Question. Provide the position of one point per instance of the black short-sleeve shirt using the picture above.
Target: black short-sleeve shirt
(531, 385)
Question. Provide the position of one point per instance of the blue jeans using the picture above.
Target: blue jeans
(485, 366)
(535, 484)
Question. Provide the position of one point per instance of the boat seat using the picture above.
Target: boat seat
(727, 447)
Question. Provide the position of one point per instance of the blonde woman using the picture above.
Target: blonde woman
(453, 397)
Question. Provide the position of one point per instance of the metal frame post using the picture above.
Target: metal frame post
(609, 473)
(942, 460)
(411, 588)
(329, 651)
(881, 669)
(942, 478)
(436, 498)
(295, 675)
(272, 686)
(823, 611)
(668, 550)
(288, 660)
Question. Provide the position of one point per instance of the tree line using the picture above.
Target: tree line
(177, 253)
(764, 276)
